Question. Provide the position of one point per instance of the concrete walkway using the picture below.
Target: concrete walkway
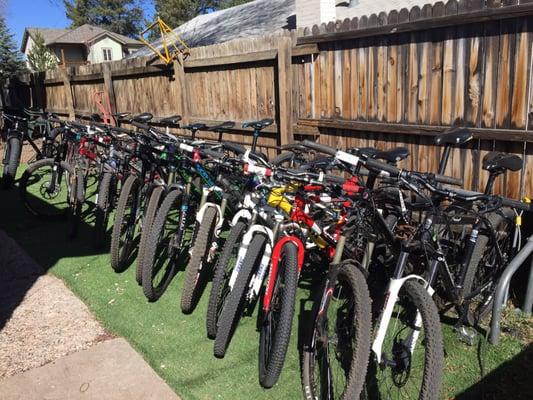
(110, 370)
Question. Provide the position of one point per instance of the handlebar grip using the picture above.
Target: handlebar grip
(140, 126)
(319, 147)
(449, 180)
(520, 205)
(235, 147)
(376, 165)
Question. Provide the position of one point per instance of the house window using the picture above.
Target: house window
(108, 55)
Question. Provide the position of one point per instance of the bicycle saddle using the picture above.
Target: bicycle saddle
(143, 118)
(368, 152)
(121, 115)
(394, 155)
(258, 125)
(95, 117)
(170, 120)
(499, 162)
(454, 136)
(224, 126)
(195, 127)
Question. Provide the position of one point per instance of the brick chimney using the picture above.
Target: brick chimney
(311, 12)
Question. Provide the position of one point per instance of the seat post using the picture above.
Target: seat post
(257, 132)
(444, 158)
(490, 182)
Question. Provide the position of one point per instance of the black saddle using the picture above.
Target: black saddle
(195, 127)
(258, 125)
(121, 115)
(393, 156)
(143, 118)
(95, 117)
(456, 136)
(170, 120)
(224, 126)
(500, 162)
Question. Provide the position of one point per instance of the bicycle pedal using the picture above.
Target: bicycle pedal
(466, 335)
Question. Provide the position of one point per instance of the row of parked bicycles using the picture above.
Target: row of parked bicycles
(382, 251)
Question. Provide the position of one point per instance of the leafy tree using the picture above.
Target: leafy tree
(40, 57)
(120, 16)
(231, 3)
(11, 62)
(177, 12)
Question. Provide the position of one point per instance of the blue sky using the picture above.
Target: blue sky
(39, 13)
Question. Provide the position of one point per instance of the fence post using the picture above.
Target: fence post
(108, 84)
(69, 94)
(180, 82)
(285, 90)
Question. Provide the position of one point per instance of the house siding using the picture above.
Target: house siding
(96, 54)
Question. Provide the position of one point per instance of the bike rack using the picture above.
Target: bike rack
(503, 285)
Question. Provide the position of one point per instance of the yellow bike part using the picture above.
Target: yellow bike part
(169, 40)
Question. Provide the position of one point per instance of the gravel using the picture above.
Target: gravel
(40, 318)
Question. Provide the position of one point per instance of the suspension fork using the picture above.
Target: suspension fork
(184, 213)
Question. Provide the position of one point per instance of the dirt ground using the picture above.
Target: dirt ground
(40, 319)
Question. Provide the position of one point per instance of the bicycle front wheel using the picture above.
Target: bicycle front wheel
(335, 362)
(412, 352)
(45, 188)
(276, 324)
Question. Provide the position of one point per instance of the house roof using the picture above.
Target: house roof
(255, 18)
(262, 17)
(82, 35)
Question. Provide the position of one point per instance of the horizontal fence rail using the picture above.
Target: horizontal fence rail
(385, 80)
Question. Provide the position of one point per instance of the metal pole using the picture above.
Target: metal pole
(528, 303)
(503, 284)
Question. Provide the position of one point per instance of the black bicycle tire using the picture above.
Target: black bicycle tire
(23, 183)
(494, 219)
(102, 209)
(150, 292)
(14, 144)
(229, 316)
(271, 364)
(204, 238)
(148, 219)
(118, 263)
(235, 235)
(362, 338)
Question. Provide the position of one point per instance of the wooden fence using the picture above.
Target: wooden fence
(384, 80)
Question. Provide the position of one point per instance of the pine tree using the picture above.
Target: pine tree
(125, 17)
(11, 62)
(40, 57)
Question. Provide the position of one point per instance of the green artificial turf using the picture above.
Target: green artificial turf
(176, 346)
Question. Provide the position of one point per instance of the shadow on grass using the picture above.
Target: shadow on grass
(31, 247)
(511, 380)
